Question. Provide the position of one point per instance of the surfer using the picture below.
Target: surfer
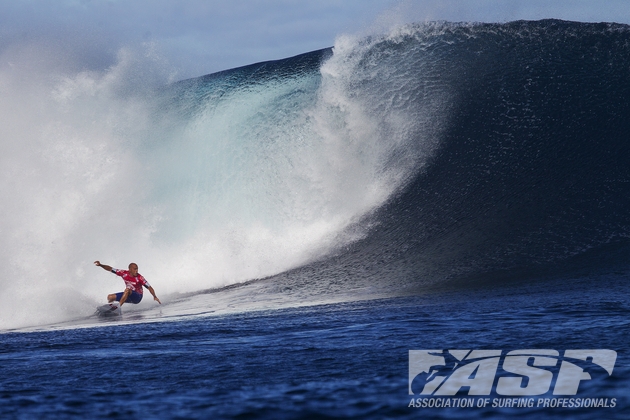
(133, 284)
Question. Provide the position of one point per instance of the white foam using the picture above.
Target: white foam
(263, 179)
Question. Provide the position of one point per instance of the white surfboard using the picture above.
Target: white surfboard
(109, 309)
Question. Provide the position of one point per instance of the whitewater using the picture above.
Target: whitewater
(204, 183)
(308, 221)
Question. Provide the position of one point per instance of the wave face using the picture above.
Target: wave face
(532, 176)
(432, 153)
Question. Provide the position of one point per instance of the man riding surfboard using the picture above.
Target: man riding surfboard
(134, 282)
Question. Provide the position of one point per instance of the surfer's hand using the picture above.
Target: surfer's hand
(97, 263)
(155, 298)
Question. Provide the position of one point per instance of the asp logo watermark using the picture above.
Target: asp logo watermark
(517, 373)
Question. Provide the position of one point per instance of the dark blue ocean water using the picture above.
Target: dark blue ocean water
(346, 360)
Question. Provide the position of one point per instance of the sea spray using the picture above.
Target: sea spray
(226, 178)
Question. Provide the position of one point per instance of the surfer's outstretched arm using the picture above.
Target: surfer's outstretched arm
(104, 266)
(155, 298)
